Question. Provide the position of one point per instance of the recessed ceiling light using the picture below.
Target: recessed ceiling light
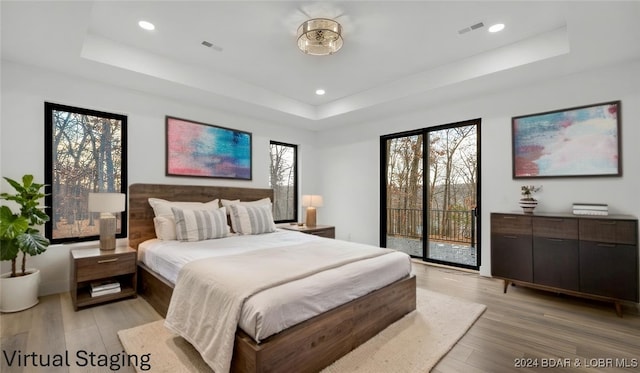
(320, 92)
(146, 25)
(497, 27)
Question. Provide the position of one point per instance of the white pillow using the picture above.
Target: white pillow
(198, 225)
(261, 202)
(228, 202)
(163, 207)
(164, 222)
(252, 219)
(165, 228)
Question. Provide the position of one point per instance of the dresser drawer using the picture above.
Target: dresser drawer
(510, 224)
(105, 266)
(609, 270)
(556, 262)
(511, 257)
(551, 227)
(606, 230)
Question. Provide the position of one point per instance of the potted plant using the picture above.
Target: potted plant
(527, 202)
(19, 235)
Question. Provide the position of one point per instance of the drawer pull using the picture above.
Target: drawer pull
(508, 217)
(511, 237)
(107, 261)
(555, 239)
(606, 245)
(608, 222)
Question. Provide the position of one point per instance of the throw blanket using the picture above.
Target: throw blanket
(209, 293)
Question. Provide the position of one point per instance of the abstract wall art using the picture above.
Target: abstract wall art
(204, 150)
(580, 141)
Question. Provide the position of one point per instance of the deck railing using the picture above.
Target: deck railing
(443, 225)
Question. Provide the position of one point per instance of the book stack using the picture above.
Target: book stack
(104, 288)
(590, 209)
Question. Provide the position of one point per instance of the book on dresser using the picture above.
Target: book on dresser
(104, 288)
(599, 209)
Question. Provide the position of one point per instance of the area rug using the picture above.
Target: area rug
(414, 343)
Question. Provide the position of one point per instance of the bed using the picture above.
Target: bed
(307, 346)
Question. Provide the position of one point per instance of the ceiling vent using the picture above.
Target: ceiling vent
(211, 45)
(471, 28)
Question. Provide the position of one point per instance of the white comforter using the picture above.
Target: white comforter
(209, 293)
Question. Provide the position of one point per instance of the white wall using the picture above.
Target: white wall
(24, 91)
(353, 154)
(342, 164)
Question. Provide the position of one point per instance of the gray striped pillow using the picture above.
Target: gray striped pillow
(198, 225)
(252, 219)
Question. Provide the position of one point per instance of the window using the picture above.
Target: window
(85, 151)
(283, 178)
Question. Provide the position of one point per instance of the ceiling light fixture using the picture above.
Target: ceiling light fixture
(320, 92)
(497, 27)
(320, 37)
(146, 25)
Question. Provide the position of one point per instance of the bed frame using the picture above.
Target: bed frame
(306, 347)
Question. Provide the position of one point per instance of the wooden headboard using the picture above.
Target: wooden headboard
(141, 214)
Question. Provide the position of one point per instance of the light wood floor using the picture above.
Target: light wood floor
(523, 323)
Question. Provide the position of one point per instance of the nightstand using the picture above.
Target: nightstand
(97, 266)
(327, 231)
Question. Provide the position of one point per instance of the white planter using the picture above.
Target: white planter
(19, 293)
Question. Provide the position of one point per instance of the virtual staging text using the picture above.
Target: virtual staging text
(80, 358)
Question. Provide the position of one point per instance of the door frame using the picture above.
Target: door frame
(425, 203)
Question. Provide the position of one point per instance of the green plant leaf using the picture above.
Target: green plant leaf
(8, 249)
(16, 185)
(11, 225)
(32, 243)
(27, 180)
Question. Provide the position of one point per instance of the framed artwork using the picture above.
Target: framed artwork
(580, 141)
(204, 150)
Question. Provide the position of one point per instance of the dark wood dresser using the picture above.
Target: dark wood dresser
(589, 256)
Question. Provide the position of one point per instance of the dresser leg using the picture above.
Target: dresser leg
(618, 308)
(506, 285)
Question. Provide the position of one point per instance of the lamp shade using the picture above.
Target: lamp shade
(312, 200)
(106, 202)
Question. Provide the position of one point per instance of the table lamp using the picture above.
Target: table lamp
(311, 202)
(107, 204)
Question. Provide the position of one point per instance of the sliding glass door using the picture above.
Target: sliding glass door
(429, 193)
(404, 200)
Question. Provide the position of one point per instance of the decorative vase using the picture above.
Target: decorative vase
(528, 205)
(19, 293)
